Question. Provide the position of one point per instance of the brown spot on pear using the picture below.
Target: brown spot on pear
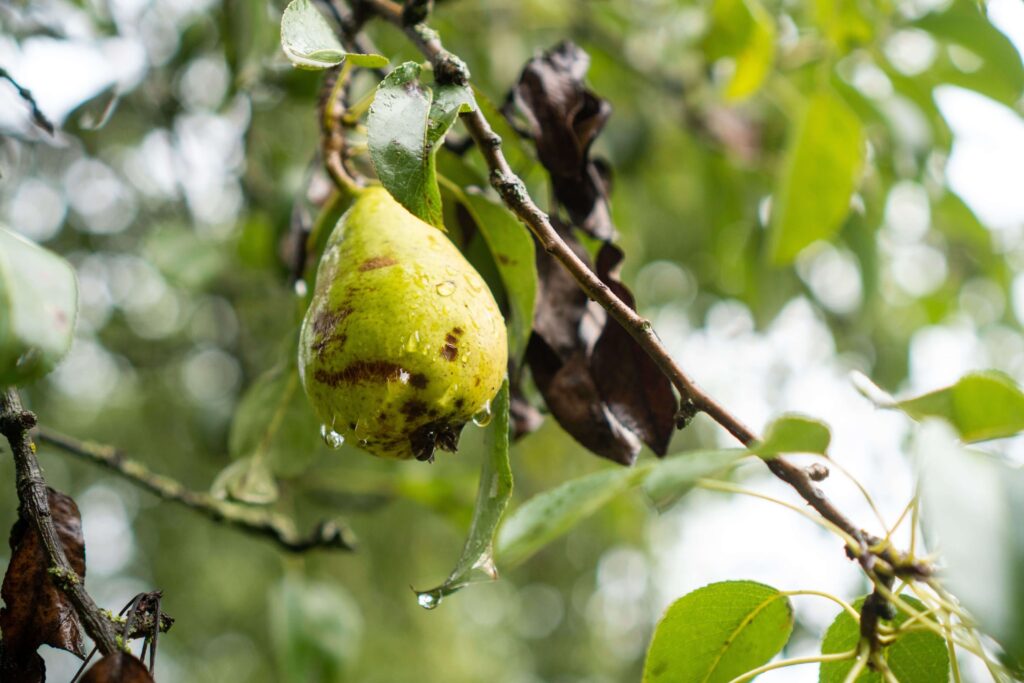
(376, 304)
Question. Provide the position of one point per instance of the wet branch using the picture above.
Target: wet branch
(278, 528)
(449, 68)
(15, 424)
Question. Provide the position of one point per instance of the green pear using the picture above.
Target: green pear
(403, 342)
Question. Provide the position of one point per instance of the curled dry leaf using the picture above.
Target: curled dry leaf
(118, 667)
(36, 611)
(564, 118)
(598, 383)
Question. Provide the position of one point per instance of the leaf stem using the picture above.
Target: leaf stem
(794, 661)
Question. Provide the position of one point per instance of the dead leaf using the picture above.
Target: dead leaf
(118, 667)
(36, 611)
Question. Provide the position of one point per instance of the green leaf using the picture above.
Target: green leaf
(972, 507)
(552, 513)
(673, 477)
(38, 306)
(512, 248)
(1000, 74)
(914, 657)
(794, 434)
(718, 632)
(477, 560)
(310, 42)
(980, 406)
(407, 122)
(316, 630)
(744, 31)
(823, 163)
(274, 424)
(843, 23)
(248, 480)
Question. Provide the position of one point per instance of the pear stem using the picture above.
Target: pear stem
(516, 197)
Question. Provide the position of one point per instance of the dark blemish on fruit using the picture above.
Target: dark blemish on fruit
(376, 262)
(419, 380)
(459, 402)
(433, 435)
(450, 350)
(476, 382)
(324, 327)
(413, 408)
(359, 372)
(457, 331)
(351, 425)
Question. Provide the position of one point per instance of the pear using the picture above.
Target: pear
(403, 342)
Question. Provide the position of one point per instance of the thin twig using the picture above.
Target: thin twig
(279, 528)
(15, 424)
(38, 117)
(449, 68)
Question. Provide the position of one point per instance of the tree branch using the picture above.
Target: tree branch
(277, 527)
(449, 68)
(15, 423)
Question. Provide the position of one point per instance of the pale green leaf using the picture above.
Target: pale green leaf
(674, 476)
(980, 406)
(823, 162)
(477, 560)
(248, 480)
(38, 306)
(311, 43)
(552, 513)
(718, 632)
(512, 248)
(274, 423)
(972, 507)
(794, 434)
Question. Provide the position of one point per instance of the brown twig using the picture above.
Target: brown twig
(277, 527)
(15, 424)
(449, 68)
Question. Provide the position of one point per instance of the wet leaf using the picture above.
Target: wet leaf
(719, 632)
(38, 305)
(494, 491)
(36, 612)
(311, 43)
(407, 122)
(564, 117)
(823, 163)
(118, 667)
